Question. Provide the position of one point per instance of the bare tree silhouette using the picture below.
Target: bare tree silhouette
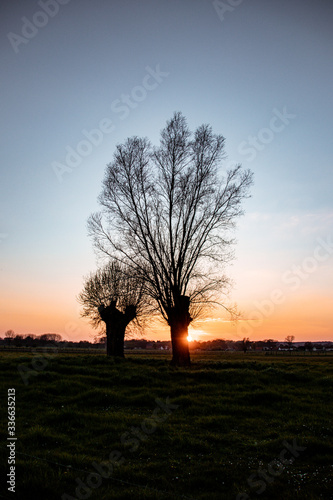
(114, 296)
(290, 339)
(246, 343)
(167, 214)
(9, 334)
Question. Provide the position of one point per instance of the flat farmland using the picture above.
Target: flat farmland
(233, 426)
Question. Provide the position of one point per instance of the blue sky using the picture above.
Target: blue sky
(259, 72)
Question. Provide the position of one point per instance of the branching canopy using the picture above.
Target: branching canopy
(168, 213)
(112, 283)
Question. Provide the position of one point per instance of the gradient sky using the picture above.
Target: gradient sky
(260, 73)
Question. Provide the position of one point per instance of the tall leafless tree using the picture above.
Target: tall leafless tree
(115, 297)
(167, 212)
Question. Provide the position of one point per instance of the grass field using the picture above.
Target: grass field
(233, 426)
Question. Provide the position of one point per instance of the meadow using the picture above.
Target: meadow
(233, 426)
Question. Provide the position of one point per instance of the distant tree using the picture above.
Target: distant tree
(100, 340)
(18, 340)
(30, 340)
(9, 336)
(167, 212)
(112, 295)
(50, 337)
(270, 343)
(308, 346)
(246, 344)
(290, 339)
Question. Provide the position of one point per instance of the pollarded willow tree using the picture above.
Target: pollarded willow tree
(113, 295)
(167, 213)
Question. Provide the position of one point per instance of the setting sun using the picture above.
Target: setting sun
(189, 338)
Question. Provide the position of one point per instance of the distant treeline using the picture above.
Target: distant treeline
(55, 340)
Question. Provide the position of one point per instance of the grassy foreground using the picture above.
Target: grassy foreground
(216, 431)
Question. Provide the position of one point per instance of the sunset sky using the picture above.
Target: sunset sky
(259, 72)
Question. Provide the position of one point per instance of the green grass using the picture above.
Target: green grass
(233, 414)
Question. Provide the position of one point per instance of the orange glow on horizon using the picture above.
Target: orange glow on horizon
(306, 316)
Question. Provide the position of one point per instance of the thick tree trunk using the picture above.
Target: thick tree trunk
(121, 322)
(107, 315)
(116, 323)
(119, 341)
(180, 349)
(179, 319)
(115, 334)
(109, 338)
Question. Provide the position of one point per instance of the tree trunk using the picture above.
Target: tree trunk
(116, 323)
(121, 322)
(109, 338)
(180, 349)
(179, 319)
(115, 335)
(119, 340)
